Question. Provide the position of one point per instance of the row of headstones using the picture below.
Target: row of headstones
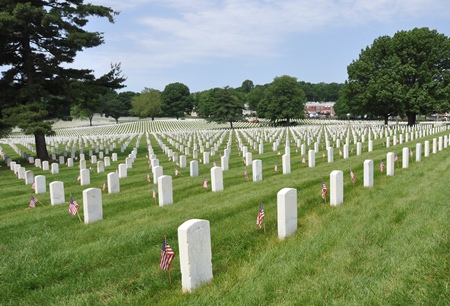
(165, 188)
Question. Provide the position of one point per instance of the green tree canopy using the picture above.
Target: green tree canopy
(284, 99)
(226, 105)
(38, 38)
(176, 100)
(406, 74)
(147, 104)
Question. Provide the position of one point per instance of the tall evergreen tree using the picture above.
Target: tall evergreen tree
(38, 39)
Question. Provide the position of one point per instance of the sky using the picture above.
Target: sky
(216, 43)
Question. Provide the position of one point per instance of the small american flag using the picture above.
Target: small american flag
(154, 193)
(79, 177)
(245, 174)
(381, 166)
(324, 190)
(303, 160)
(33, 186)
(261, 215)
(214, 164)
(176, 172)
(411, 153)
(323, 155)
(33, 202)
(352, 176)
(395, 157)
(340, 152)
(205, 182)
(167, 255)
(148, 177)
(73, 207)
(276, 167)
(104, 186)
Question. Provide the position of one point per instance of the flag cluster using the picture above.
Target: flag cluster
(167, 255)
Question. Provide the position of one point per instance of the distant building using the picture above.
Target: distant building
(319, 109)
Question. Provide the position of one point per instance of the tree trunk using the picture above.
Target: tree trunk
(90, 120)
(411, 118)
(153, 118)
(117, 121)
(231, 124)
(41, 147)
(386, 119)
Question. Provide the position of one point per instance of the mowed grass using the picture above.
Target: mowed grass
(387, 245)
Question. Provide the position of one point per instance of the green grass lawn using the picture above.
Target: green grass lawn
(387, 245)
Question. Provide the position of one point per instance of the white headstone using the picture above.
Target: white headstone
(311, 158)
(61, 160)
(29, 177)
(216, 179)
(205, 158)
(165, 192)
(123, 171)
(157, 172)
(70, 162)
(107, 161)
(286, 212)
(257, 170)
(426, 152)
(55, 168)
(100, 166)
(224, 162)
(336, 187)
(194, 242)
(39, 182)
(37, 163)
(45, 165)
(418, 152)
(193, 167)
(129, 162)
(113, 182)
(21, 173)
(286, 163)
(390, 164)
(248, 158)
(57, 193)
(368, 173)
(82, 164)
(85, 177)
(405, 158)
(182, 161)
(92, 205)
(330, 154)
(114, 157)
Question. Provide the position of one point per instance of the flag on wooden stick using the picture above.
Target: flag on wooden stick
(167, 255)
(381, 166)
(324, 190)
(205, 182)
(352, 176)
(261, 215)
(73, 207)
(104, 186)
(33, 202)
(245, 174)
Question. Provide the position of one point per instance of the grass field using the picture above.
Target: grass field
(386, 245)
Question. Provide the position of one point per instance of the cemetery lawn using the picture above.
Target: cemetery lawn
(387, 245)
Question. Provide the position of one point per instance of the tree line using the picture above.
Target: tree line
(404, 75)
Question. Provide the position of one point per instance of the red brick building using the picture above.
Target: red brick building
(319, 109)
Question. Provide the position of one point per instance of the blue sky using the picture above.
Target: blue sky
(209, 43)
